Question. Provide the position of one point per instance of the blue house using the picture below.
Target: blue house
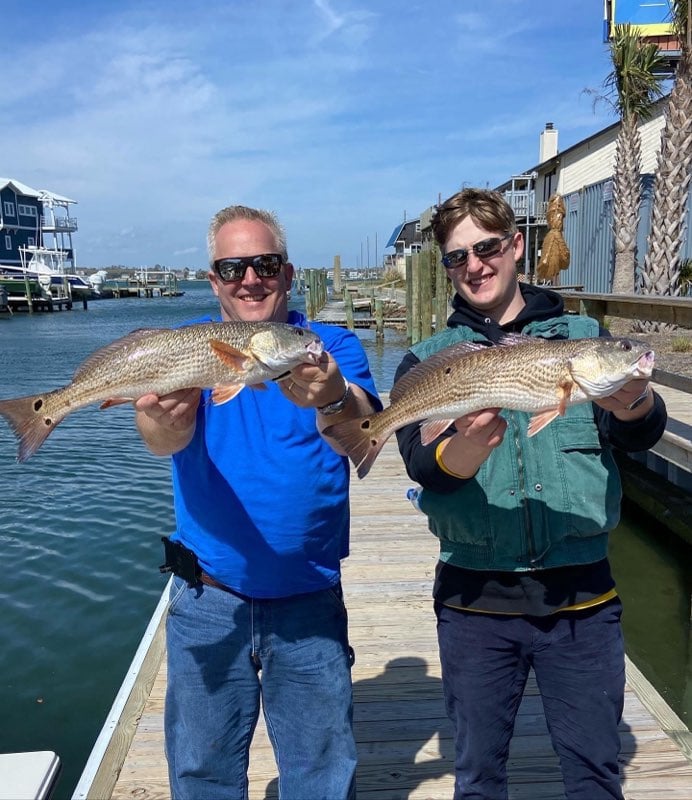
(35, 225)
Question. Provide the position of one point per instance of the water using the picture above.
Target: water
(80, 541)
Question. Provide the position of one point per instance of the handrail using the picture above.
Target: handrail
(672, 310)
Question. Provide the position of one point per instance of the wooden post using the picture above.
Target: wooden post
(409, 298)
(379, 318)
(440, 289)
(27, 289)
(310, 293)
(425, 295)
(415, 299)
(337, 285)
(348, 307)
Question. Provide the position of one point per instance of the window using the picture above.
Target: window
(30, 241)
(8, 205)
(27, 211)
(8, 242)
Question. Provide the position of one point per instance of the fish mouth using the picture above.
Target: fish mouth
(645, 363)
(314, 350)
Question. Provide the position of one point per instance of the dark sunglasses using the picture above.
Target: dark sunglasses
(487, 248)
(231, 270)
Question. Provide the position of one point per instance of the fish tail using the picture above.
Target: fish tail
(360, 439)
(29, 422)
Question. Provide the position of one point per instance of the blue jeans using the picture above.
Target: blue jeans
(579, 661)
(228, 653)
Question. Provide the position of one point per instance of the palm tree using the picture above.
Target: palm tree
(662, 264)
(636, 84)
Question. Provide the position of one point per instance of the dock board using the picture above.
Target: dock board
(404, 737)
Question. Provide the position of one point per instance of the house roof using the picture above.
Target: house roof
(395, 235)
(406, 232)
(39, 194)
(658, 107)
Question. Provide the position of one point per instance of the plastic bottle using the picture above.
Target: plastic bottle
(413, 494)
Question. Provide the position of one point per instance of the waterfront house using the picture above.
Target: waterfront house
(583, 176)
(35, 224)
(406, 240)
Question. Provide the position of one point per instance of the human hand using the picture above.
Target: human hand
(314, 385)
(478, 434)
(483, 429)
(634, 400)
(175, 411)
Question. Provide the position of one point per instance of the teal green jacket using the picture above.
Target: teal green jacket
(540, 502)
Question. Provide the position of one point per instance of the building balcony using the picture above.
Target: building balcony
(59, 225)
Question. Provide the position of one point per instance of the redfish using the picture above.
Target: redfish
(540, 376)
(224, 356)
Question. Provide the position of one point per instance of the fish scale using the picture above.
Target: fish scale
(539, 376)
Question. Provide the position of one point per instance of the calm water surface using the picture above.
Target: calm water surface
(80, 541)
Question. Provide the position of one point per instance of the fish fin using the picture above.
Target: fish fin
(223, 393)
(114, 401)
(233, 358)
(30, 426)
(430, 429)
(432, 364)
(513, 339)
(359, 441)
(564, 392)
(542, 420)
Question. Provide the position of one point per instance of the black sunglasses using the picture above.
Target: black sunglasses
(487, 248)
(231, 270)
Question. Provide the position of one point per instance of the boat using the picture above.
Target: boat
(46, 272)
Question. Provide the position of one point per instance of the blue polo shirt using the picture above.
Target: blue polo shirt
(259, 496)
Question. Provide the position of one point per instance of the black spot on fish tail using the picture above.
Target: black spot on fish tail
(360, 443)
(23, 416)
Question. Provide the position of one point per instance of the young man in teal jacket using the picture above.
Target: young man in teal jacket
(523, 579)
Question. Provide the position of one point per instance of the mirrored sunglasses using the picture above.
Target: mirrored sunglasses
(231, 270)
(487, 248)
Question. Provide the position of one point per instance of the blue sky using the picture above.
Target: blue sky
(340, 115)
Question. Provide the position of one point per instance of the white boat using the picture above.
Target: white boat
(48, 267)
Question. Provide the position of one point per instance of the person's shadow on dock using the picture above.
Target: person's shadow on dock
(403, 734)
(402, 731)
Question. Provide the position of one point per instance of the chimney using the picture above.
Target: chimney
(548, 144)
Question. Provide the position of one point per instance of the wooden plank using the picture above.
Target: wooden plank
(404, 737)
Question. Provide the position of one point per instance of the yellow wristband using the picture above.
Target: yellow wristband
(441, 464)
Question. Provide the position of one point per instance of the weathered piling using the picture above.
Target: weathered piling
(316, 285)
(348, 308)
(337, 286)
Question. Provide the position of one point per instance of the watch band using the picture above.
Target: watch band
(337, 405)
(639, 400)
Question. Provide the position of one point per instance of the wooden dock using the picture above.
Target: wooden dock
(404, 737)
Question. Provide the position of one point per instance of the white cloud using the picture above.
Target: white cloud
(338, 114)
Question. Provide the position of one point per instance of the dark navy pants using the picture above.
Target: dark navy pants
(579, 661)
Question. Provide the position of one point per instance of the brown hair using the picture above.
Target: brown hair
(232, 213)
(486, 207)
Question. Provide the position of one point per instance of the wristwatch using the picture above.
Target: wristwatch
(337, 405)
(639, 400)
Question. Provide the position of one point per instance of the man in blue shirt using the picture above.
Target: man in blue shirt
(261, 501)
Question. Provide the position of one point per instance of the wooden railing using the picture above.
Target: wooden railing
(674, 310)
